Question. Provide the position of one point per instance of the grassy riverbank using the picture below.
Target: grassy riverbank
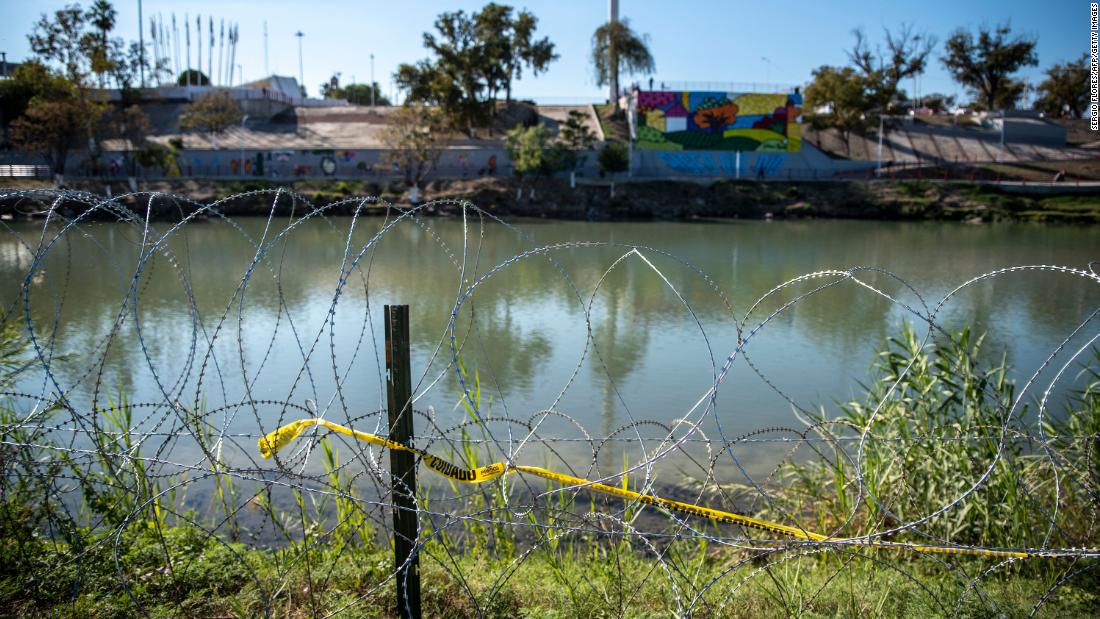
(583, 579)
(666, 200)
(128, 543)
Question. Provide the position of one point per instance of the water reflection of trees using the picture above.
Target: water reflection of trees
(417, 263)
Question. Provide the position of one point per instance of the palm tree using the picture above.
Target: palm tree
(616, 48)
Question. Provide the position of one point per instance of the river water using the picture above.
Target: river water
(608, 324)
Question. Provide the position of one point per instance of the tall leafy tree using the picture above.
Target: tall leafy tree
(985, 63)
(1065, 91)
(473, 58)
(54, 126)
(63, 115)
(511, 45)
(452, 79)
(64, 41)
(31, 79)
(101, 18)
(492, 27)
(841, 95)
(618, 50)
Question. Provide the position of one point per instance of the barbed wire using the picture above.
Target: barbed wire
(852, 490)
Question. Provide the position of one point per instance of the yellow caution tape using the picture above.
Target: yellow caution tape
(276, 440)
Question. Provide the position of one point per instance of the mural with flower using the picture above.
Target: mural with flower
(684, 120)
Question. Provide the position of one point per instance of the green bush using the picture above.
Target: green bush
(933, 416)
(614, 158)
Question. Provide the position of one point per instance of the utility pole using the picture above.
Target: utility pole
(141, 44)
(301, 73)
(768, 70)
(372, 80)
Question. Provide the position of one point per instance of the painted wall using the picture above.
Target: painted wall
(722, 121)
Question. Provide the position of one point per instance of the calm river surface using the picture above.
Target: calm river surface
(657, 334)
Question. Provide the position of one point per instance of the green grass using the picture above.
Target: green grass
(596, 578)
(334, 558)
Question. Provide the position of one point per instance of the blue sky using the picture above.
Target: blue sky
(691, 40)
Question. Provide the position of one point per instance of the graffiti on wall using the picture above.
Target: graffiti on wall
(684, 120)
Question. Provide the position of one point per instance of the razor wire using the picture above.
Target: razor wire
(67, 432)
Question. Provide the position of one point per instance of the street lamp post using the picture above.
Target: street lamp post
(301, 73)
(768, 70)
(372, 80)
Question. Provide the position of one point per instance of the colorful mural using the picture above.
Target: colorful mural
(682, 120)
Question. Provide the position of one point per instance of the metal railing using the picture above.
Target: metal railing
(24, 170)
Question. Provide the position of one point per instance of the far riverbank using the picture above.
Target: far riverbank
(644, 200)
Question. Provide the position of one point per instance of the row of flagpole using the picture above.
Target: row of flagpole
(166, 50)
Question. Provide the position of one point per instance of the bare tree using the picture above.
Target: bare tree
(904, 54)
(414, 140)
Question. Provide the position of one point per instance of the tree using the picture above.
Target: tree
(985, 65)
(906, 55)
(359, 94)
(533, 153)
(53, 127)
(451, 80)
(31, 79)
(1065, 91)
(575, 137)
(614, 158)
(102, 18)
(413, 137)
(474, 56)
(50, 113)
(1010, 96)
(617, 49)
(212, 113)
(80, 44)
(131, 124)
(837, 98)
(154, 155)
(192, 76)
(510, 46)
(126, 67)
(938, 103)
(63, 40)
